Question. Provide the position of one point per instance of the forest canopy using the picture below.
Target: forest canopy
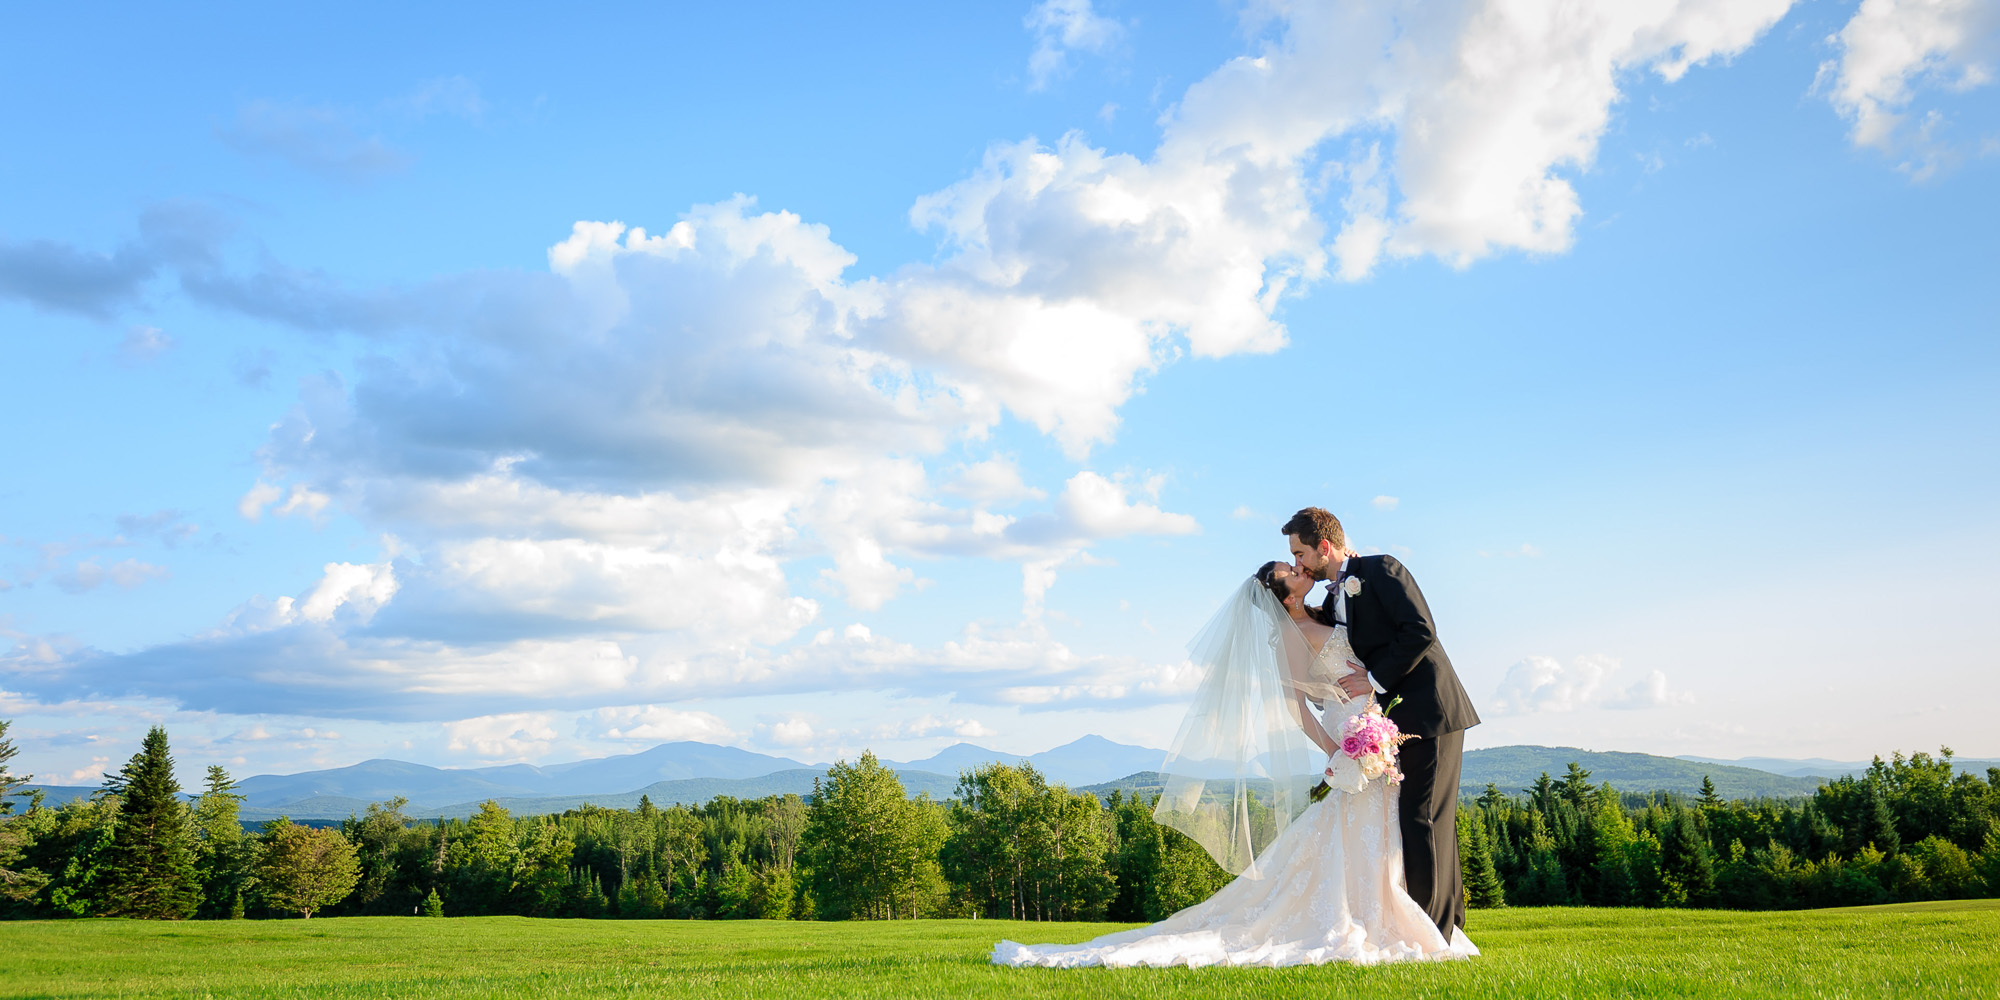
(1006, 844)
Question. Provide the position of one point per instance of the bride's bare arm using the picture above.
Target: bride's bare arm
(1310, 723)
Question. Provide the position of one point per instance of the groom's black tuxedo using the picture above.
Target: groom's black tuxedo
(1389, 626)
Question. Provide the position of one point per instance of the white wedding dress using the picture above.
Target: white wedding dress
(1328, 889)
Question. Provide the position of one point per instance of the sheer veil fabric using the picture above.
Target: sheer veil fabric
(1239, 770)
(1316, 882)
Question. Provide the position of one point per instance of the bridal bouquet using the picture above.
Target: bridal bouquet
(1370, 740)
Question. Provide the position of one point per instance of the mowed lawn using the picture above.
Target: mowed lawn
(1927, 950)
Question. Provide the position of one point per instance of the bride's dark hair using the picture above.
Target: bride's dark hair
(1270, 582)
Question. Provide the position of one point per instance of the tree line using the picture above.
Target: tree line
(1909, 829)
(1007, 845)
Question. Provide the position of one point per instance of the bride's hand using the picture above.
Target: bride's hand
(1355, 682)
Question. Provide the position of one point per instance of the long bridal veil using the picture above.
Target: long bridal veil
(1241, 767)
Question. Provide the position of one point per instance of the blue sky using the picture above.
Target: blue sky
(969, 356)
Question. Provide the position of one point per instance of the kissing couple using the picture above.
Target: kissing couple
(1341, 827)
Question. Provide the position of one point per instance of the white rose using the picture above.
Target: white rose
(1352, 585)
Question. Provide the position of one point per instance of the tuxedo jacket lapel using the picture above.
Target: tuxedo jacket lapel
(1361, 607)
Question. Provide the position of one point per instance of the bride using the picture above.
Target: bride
(1316, 882)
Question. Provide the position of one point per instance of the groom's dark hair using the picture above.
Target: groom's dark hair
(1314, 525)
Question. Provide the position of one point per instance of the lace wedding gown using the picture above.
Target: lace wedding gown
(1329, 889)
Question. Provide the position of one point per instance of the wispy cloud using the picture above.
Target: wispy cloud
(169, 527)
(125, 574)
(54, 275)
(445, 95)
(1062, 27)
(143, 344)
(319, 139)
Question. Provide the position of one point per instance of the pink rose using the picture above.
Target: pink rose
(1351, 746)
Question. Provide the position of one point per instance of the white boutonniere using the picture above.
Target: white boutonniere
(1351, 586)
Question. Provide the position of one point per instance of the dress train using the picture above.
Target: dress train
(1329, 889)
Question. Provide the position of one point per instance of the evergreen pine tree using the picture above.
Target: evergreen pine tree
(1878, 823)
(223, 856)
(1543, 794)
(1709, 800)
(433, 906)
(595, 904)
(1687, 864)
(14, 883)
(8, 782)
(151, 864)
(1542, 884)
(1576, 788)
(1481, 878)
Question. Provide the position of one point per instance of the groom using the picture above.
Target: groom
(1390, 627)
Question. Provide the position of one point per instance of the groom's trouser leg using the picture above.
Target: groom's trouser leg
(1429, 812)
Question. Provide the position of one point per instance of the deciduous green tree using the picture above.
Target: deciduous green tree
(484, 861)
(305, 870)
(872, 850)
(1024, 849)
(1949, 870)
(542, 880)
(380, 835)
(1989, 858)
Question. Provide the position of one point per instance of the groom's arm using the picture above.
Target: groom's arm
(1411, 631)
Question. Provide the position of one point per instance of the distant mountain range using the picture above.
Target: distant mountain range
(378, 780)
(1087, 760)
(692, 773)
(1512, 769)
(1821, 767)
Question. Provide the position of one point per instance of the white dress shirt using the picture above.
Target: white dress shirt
(1340, 614)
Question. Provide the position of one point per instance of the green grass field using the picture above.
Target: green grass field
(1929, 950)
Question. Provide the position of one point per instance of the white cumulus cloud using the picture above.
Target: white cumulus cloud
(603, 476)
(510, 736)
(662, 724)
(1544, 684)
(364, 589)
(1893, 49)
